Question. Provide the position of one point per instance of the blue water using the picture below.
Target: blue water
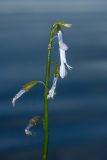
(78, 114)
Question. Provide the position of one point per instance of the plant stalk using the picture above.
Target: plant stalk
(47, 76)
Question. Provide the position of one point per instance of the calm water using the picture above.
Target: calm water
(78, 114)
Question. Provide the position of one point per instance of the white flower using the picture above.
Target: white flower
(18, 95)
(52, 90)
(62, 48)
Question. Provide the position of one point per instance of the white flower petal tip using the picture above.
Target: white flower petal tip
(28, 132)
(51, 93)
(63, 71)
(67, 25)
(69, 67)
(63, 76)
(13, 102)
(51, 96)
(18, 95)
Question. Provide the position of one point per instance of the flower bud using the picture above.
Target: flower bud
(67, 25)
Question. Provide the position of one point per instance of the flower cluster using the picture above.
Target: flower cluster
(63, 62)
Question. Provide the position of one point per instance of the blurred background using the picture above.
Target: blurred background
(78, 114)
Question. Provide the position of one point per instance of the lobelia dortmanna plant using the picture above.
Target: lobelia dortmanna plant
(49, 93)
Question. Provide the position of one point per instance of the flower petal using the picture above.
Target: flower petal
(62, 56)
(27, 130)
(62, 71)
(60, 36)
(18, 95)
(68, 66)
(63, 59)
(62, 45)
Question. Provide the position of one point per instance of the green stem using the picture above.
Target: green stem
(45, 149)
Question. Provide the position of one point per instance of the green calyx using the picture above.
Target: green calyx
(56, 71)
(34, 120)
(32, 84)
(57, 27)
(29, 85)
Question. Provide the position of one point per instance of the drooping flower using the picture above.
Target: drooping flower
(56, 76)
(62, 48)
(18, 95)
(52, 90)
(25, 88)
(32, 122)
